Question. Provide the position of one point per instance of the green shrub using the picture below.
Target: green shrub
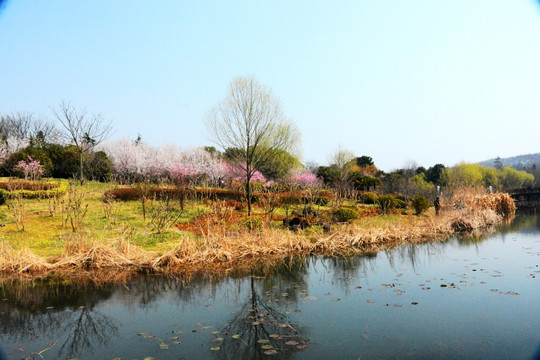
(251, 223)
(368, 198)
(419, 204)
(98, 167)
(401, 204)
(344, 215)
(387, 203)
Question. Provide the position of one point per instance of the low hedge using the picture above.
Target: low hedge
(32, 190)
(292, 198)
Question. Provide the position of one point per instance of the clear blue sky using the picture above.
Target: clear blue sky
(430, 81)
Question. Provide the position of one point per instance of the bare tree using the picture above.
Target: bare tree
(251, 120)
(23, 126)
(342, 161)
(82, 129)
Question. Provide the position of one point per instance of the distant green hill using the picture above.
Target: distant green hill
(519, 162)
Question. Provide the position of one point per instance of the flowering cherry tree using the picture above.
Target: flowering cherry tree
(11, 145)
(136, 160)
(304, 179)
(31, 169)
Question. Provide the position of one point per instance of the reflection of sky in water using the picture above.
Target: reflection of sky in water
(345, 308)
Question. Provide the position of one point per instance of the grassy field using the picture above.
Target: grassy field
(84, 230)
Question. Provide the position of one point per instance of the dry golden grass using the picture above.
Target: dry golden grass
(237, 251)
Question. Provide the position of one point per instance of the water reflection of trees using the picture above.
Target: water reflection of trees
(263, 326)
(43, 309)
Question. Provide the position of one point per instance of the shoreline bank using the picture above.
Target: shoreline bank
(239, 252)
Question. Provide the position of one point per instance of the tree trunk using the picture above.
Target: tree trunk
(248, 191)
(81, 164)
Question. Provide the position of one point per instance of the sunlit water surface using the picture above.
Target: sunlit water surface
(461, 299)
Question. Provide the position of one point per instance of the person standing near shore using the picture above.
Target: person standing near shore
(437, 204)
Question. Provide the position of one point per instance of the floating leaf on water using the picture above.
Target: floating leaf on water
(207, 327)
(215, 332)
(175, 338)
(273, 336)
(150, 337)
(236, 336)
(303, 347)
(292, 343)
(200, 324)
(216, 340)
(270, 352)
(282, 325)
(336, 299)
(272, 321)
(267, 347)
(414, 303)
(176, 342)
(177, 332)
(398, 305)
(117, 358)
(235, 312)
(215, 348)
(149, 358)
(285, 294)
(163, 346)
(263, 341)
(371, 301)
(144, 334)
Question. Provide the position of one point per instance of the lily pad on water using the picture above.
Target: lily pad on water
(303, 347)
(236, 336)
(273, 336)
(292, 343)
(216, 348)
(175, 338)
(216, 340)
(163, 346)
(176, 342)
(263, 341)
(282, 325)
(149, 358)
(270, 352)
(267, 347)
(215, 332)
(177, 332)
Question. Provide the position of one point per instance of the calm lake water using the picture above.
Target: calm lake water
(461, 299)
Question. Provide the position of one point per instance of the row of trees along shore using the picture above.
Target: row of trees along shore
(256, 143)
